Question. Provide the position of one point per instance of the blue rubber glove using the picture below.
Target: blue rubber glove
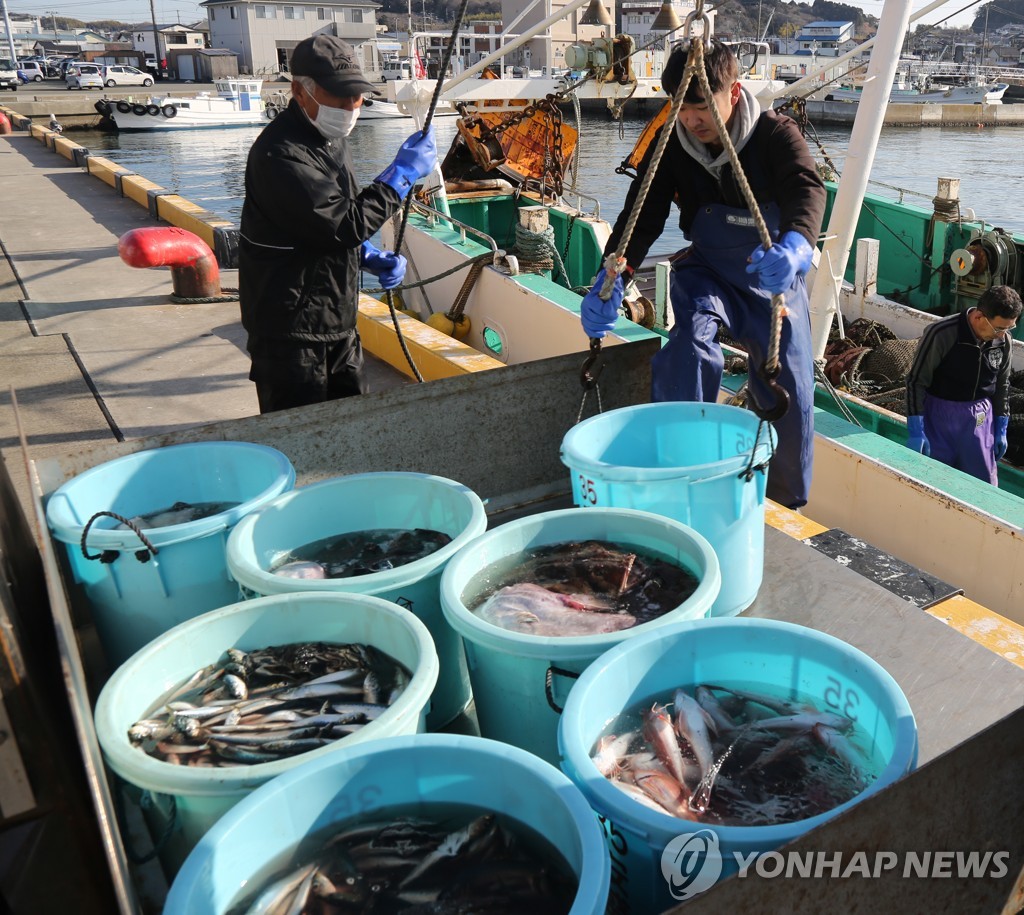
(597, 316)
(1002, 423)
(416, 158)
(916, 439)
(387, 266)
(782, 263)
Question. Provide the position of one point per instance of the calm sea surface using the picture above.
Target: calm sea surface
(208, 166)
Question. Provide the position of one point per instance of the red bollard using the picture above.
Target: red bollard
(5, 125)
(194, 270)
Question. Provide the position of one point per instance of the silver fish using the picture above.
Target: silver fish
(658, 732)
(691, 723)
(804, 722)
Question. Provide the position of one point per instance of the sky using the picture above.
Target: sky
(190, 11)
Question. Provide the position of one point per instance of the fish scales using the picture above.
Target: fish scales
(737, 757)
(581, 588)
(286, 699)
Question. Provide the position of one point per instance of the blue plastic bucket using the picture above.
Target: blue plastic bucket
(685, 461)
(400, 772)
(134, 596)
(202, 795)
(362, 502)
(517, 679)
(779, 656)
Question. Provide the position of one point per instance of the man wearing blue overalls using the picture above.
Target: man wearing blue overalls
(726, 278)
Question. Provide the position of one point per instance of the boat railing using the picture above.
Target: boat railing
(433, 216)
(580, 197)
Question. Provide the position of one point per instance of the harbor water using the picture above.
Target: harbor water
(208, 166)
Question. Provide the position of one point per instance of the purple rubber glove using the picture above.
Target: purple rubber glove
(782, 263)
(387, 266)
(1002, 424)
(597, 316)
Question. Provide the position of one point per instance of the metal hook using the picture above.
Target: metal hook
(688, 22)
(781, 396)
(592, 367)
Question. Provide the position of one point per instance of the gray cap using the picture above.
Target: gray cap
(331, 63)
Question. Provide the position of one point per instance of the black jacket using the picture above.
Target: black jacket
(776, 161)
(302, 223)
(953, 364)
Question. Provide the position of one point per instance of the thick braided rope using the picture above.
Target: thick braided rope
(778, 300)
(615, 262)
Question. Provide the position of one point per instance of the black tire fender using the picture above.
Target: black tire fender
(169, 111)
(153, 110)
(139, 110)
(123, 107)
(272, 111)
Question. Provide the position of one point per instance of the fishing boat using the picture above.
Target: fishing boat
(904, 92)
(496, 407)
(237, 102)
(380, 109)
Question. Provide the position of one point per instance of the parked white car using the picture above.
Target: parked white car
(33, 69)
(119, 75)
(85, 76)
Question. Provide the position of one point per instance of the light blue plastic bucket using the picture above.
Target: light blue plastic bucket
(362, 502)
(201, 796)
(686, 461)
(400, 772)
(519, 680)
(781, 657)
(137, 596)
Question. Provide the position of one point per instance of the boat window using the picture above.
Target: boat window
(184, 104)
(492, 340)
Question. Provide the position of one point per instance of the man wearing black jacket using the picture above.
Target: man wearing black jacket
(305, 232)
(958, 385)
(726, 277)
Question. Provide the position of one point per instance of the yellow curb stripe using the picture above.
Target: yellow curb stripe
(190, 216)
(436, 355)
(136, 188)
(104, 169)
(978, 623)
(790, 522)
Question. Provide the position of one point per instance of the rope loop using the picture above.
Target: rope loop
(108, 556)
(549, 685)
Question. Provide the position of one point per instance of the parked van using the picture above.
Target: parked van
(398, 69)
(8, 76)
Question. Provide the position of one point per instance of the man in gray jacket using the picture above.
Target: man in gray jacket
(958, 386)
(305, 232)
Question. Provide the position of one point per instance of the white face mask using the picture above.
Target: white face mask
(334, 123)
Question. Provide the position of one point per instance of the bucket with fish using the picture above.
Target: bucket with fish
(144, 535)
(426, 823)
(386, 534)
(705, 742)
(538, 599)
(227, 701)
(703, 464)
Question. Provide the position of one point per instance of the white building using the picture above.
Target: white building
(172, 37)
(550, 51)
(264, 34)
(825, 39)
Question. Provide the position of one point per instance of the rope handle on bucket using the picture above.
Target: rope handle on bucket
(108, 556)
(549, 687)
(747, 473)
(146, 802)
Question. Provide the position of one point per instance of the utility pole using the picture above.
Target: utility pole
(53, 16)
(156, 41)
(10, 34)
